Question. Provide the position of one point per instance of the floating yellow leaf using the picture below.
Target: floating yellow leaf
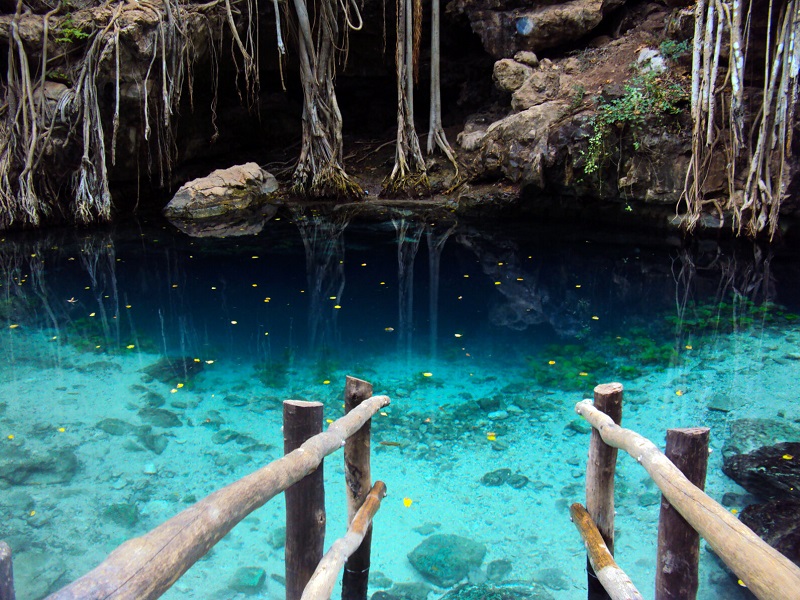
(91, 314)
(173, 391)
(741, 583)
(179, 386)
(688, 346)
(329, 421)
(61, 430)
(578, 286)
(11, 436)
(337, 306)
(209, 362)
(427, 374)
(32, 513)
(583, 374)
(595, 318)
(787, 457)
(254, 285)
(326, 382)
(679, 392)
(14, 326)
(130, 346)
(127, 306)
(497, 282)
(234, 322)
(458, 335)
(551, 362)
(389, 329)
(267, 299)
(407, 502)
(384, 414)
(491, 437)
(196, 360)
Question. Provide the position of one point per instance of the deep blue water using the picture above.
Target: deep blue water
(538, 315)
(505, 293)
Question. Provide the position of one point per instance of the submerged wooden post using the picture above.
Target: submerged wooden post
(764, 570)
(600, 469)
(614, 580)
(358, 481)
(324, 578)
(6, 573)
(678, 542)
(305, 500)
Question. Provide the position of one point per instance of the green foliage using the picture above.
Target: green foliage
(68, 33)
(673, 49)
(577, 97)
(739, 314)
(274, 374)
(647, 95)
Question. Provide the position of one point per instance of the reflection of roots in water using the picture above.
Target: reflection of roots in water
(323, 241)
(409, 234)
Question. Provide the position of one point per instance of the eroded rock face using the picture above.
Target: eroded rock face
(543, 144)
(508, 26)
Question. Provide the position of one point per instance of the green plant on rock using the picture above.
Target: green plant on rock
(673, 49)
(69, 33)
(647, 96)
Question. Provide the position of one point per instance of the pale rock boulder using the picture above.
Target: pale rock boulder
(224, 191)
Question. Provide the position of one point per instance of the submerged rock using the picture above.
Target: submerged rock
(21, 467)
(496, 478)
(115, 426)
(160, 417)
(404, 591)
(124, 514)
(498, 569)
(771, 472)
(171, 369)
(778, 524)
(748, 434)
(248, 580)
(498, 592)
(446, 559)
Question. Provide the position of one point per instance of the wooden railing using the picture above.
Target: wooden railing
(145, 567)
(764, 570)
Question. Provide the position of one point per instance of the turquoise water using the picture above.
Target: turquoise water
(483, 338)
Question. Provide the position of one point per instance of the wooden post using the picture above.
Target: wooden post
(765, 571)
(614, 580)
(143, 568)
(600, 469)
(358, 481)
(305, 500)
(678, 542)
(6, 573)
(324, 578)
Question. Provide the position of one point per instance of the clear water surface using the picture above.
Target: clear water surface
(483, 338)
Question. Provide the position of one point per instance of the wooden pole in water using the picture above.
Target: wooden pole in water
(765, 571)
(678, 542)
(6, 573)
(615, 582)
(600, 469)
(324, 578)
(305, 500)
(358, 479)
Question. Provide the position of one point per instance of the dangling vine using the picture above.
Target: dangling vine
(757, 167)
(62, 100)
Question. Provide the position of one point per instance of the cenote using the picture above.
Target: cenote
(143, 369)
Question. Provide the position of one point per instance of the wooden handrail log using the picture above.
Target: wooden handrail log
(145, 567)
(614, 580)
(764, 570)
(321, 584)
